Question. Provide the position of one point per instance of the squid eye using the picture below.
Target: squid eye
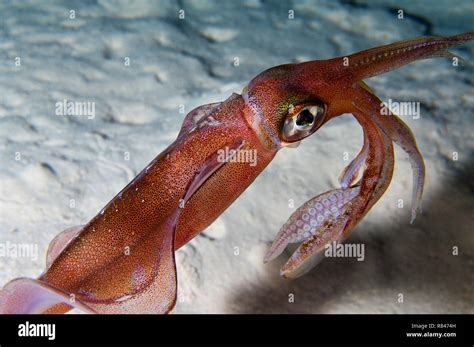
(302, 122)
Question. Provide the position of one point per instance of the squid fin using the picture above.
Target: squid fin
(194, 117)
(60, 242)
(29, 296)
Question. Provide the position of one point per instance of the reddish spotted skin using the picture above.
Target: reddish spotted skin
(222, 188)
(122, 261)
(132, 220)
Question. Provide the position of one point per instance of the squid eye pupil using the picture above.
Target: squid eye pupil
(304, 122)
(304, 118)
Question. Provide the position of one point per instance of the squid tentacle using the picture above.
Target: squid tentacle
(378, 169)
(351, 171)
(349, 205)
(310, 219)
(382, 59)
(386, 173)
(310, 252)
(398, 132)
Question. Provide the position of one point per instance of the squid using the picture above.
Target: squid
(123, 259)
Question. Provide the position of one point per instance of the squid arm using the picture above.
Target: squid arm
(378, 60)
(352, 201)
(329, 217)
(399, 133)
(351, 171)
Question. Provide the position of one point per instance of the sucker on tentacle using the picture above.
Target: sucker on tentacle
(309, 219)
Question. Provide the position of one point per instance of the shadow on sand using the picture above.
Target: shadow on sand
(414, 260)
